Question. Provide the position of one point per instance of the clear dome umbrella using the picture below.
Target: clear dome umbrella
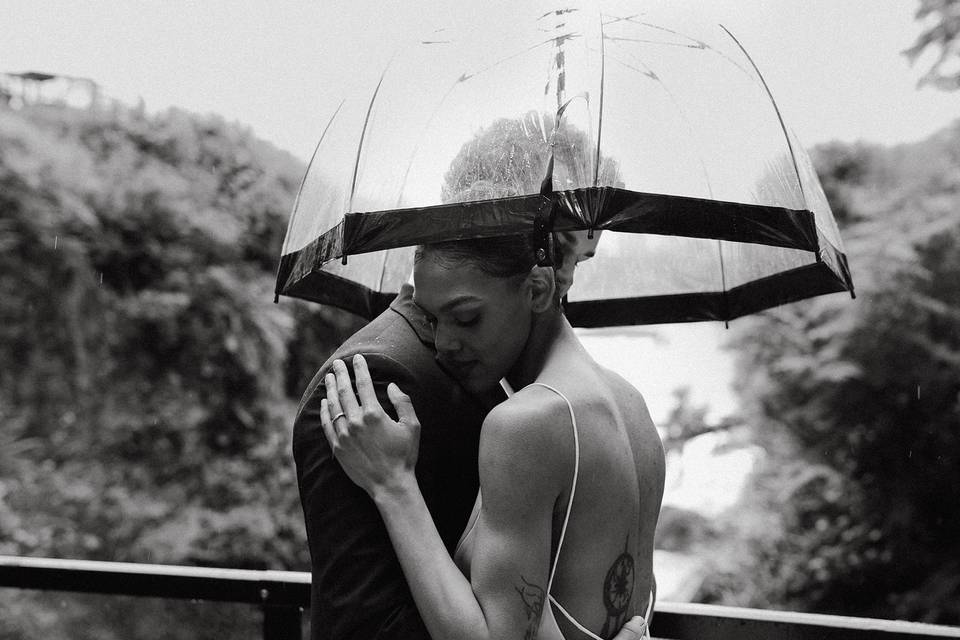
(652, 129)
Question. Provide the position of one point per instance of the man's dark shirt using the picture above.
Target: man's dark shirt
(358, 587)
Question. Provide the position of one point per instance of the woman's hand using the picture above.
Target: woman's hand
(376, 452)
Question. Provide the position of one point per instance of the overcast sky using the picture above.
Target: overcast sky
(834, 66)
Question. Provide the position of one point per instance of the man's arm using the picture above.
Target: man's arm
(357, 579)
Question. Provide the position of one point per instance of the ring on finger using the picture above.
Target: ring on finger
(338, 416)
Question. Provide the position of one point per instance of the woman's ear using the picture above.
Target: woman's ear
(543, 288)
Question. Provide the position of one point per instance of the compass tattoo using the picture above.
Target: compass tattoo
(618, 591)
(533, 597)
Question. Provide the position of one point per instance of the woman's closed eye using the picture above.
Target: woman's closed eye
(466, 320)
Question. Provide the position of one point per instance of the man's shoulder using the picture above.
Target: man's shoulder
(391, 342)
(394, 352)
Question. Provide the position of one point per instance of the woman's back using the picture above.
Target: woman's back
(603, 550)
(495, 314)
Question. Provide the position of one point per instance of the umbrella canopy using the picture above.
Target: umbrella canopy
(657, 131)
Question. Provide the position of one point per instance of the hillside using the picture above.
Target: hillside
(149, 381)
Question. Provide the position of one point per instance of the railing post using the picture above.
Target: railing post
(281, 622)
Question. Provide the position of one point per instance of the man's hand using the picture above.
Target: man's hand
(374, 450)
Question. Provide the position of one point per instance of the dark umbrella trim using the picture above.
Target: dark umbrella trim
(807, 281)
(828, 275)
(325, 288)
(382, 230)
(804, 282)
(671, 215)
(611, 208)
(614, 209)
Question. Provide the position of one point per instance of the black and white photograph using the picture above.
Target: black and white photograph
(480, 320)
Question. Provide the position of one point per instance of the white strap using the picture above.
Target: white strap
(566, 519)
(572, 620)
(573, 487)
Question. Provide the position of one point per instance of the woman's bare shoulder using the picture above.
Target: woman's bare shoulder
(524, 424)
(519, 443)
(528, 416)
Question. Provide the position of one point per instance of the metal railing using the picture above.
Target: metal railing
(283, 596)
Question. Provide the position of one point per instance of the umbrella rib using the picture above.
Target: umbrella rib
(652, 75)
(467, 75)
(363, 134)
(603, 68)
(383, 271)
(693, 44)
(783, 126)
(723, 284)
(303, 181)
(416, 146)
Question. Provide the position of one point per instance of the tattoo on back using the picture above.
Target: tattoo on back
(618, 591)
(532, 596)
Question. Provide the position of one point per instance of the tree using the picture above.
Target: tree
(867, 396)
(509, 157)
(149, 381)
(942, 35)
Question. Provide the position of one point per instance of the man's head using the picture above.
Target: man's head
(574, 247)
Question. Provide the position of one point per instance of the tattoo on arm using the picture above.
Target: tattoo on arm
(618, 591)
(532, 597)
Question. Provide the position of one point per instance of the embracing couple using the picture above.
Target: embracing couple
(473, 389)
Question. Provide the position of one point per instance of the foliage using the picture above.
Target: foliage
(941, 34)
(149, 381)
(682, 530)
(687, 421)
(859, 403)
(510, 157)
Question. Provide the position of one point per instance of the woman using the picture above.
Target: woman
(571, 466)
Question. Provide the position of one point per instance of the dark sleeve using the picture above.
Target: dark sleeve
(359, 590)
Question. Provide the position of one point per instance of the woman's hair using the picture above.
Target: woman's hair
(500, 257)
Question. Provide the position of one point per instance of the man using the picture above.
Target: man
(358, 589)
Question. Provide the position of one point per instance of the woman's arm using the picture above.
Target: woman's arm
(506, 597)
(511, 560)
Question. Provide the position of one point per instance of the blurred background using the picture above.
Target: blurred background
(149, 158)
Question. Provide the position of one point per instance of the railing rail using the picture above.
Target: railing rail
(683, 620)
(283, 595)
